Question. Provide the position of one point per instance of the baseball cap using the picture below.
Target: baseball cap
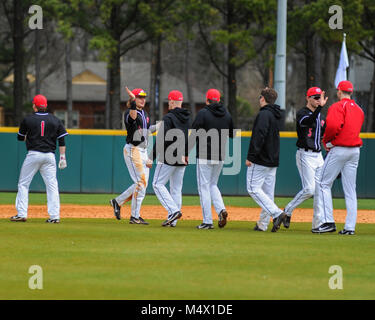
(314, 91)
(40, 101)
(138, 92)
(345, 86)
(213, 94)
(175, 95)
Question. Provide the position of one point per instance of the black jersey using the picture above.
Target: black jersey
(137, 130)
(310, 128)
(41, 130)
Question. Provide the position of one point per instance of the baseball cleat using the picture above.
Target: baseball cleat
(223, 215)
(177, 215)
(53, 221)
(134, 220)
(347, 232)
(286, 221)
(18, 219)
(116, 208)
(256, 228)
(277, 222)
(325, 227)
(205, 226)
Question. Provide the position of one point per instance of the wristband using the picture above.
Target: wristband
(133, 106)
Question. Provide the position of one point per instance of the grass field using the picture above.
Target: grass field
(109, 259)
(102, 199)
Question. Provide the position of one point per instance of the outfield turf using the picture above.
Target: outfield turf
(109, 259)
(102, 199)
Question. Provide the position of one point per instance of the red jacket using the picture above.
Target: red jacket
(343, 124)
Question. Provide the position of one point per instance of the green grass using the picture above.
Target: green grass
(109, 259)
(102, 199)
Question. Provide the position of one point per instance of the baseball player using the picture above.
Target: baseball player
(137, 124)
(309, 159)
(40, 130)
(263, 159)
(210, 156)
(342, 142)
(170, 167)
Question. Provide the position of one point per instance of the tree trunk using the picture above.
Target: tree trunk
(68, 79)
(317, 61)
(329, 70)
(232, 85)
(115, 70)
(18, 34)
(156, 107)
(115, 85)
(107, 112)
(37, 60)
(309, 62)
(190, 100)
(371, 105)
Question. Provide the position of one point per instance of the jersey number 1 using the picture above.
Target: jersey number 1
(42, 128)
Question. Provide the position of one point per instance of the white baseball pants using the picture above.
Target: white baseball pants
(208, 172)
(344, 160)
(309, 165)
(45, 163)
(261, 186)
(171, 201)
(135, 159)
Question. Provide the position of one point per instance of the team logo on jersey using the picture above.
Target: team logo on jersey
(148, 119)
(322, 123)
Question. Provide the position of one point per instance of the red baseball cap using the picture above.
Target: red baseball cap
(314, 91)
(139, 92)
(175, 95)
(345, 86)
(40, 101)
(213, 94)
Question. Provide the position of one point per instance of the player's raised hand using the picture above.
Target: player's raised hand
(323, 100)
(131, 94)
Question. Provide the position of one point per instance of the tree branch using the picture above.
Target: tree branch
(205, 40)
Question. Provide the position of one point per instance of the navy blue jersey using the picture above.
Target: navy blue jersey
(41, 130)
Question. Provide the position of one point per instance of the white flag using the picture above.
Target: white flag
(343, 65)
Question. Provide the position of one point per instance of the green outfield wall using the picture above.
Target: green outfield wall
(96, 165)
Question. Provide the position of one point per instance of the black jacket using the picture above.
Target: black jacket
(177, 118)
(264, 146)
(216, 117)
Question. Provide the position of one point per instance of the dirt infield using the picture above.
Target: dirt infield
(158, 212)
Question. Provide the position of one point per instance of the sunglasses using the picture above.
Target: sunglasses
(315, 97)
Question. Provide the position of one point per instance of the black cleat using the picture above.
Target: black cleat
(141, 221)
(256, 228)
(205, 226)
(347, 232)
(18, 219)
(177, 215)
(277, 221)
(116, 208)
(53, 221)
(286, 221)
(325, 227)
(223, 215)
